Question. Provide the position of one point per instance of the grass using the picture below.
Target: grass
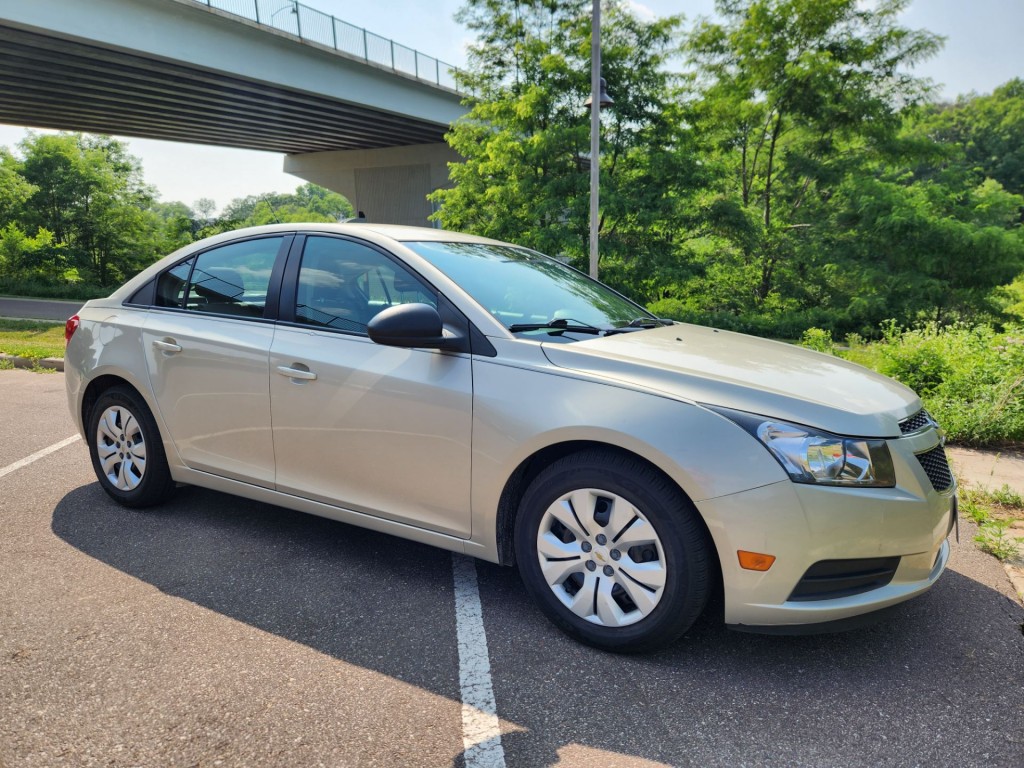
(33, 339)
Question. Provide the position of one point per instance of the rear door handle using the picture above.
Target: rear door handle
(296, 373)
(167, 346)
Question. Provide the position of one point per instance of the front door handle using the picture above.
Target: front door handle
(167, 346)
(296, 373)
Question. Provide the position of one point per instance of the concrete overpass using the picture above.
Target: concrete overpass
(353, 112)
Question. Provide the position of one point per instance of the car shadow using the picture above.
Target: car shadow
(387, 605)
(344, 591)
(891, 693)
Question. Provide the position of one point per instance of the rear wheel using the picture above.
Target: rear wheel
(126, 450)
(613, 553)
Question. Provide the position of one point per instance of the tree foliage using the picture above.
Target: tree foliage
(308, 203)
(981, 137)
(796, 176)
(775, 168)
(795, 96)
(75, 211)
(525, 141)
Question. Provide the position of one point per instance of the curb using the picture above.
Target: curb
(50, 363)
(1016, 574)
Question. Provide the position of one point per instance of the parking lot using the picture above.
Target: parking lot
(216, 631)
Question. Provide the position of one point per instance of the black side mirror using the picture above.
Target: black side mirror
(411, 325)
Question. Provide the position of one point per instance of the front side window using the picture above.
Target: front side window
(343, 284)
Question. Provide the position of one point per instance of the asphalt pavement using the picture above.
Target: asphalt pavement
(214, 631)
(38, 309)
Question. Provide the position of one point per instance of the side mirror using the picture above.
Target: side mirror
(410, 325)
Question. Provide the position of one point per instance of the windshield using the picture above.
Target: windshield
(525, 288)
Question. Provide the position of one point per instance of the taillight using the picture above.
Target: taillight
(70, 327)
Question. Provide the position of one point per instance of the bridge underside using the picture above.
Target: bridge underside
(180, 70)
(51, 82)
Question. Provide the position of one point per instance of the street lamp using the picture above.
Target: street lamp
(292, 6)
(598, 99)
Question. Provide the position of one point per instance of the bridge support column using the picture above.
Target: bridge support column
(389, 185)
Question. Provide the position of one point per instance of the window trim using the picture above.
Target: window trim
(270, 307)
(473, 341)
(290, 285)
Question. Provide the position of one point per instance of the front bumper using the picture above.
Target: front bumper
(804, 525)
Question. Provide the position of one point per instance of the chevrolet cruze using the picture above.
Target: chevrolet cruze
(487, 399)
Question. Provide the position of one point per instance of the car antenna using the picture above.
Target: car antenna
(273, 213)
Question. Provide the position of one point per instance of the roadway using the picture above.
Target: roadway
(217, 631)
(38, 309)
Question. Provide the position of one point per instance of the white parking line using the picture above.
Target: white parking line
(38, 455)
(481, 731)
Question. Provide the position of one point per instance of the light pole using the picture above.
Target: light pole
(292, 6)
(598, 98)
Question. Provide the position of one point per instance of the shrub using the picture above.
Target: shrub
(819, 340)
(970, 378)
(40, 289)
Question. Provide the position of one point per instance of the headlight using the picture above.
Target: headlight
(812, 456)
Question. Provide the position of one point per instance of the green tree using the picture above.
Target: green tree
(525, 141)
(24, 258)
(176, 223)
(309, 202)
(204, 208)
(982, 137)
(913, 251)
(795, 96)
(90, 194)
(14, 189)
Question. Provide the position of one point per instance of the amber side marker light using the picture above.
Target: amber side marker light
(755, 561)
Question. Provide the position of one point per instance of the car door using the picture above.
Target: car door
(380, 430)
(207, 345)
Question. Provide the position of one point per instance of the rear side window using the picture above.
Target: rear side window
(171, 288)
(229, 280)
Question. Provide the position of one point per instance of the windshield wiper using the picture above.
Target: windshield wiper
(561, 324)
(640, 324)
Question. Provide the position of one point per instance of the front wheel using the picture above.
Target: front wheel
(613, 553)
(126, 451)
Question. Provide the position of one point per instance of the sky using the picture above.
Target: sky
(983, 50)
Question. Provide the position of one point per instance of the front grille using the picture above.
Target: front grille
(830, 579)
(917, 422)
(936, 466)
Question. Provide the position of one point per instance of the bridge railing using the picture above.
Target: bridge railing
(318, 27)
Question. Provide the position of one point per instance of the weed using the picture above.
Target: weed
(993, 539)
(854, 340)
(972, 504)
(1007, 497)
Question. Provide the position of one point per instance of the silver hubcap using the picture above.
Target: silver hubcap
(601, 557)
(122, 450)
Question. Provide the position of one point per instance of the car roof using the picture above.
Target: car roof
(382, 234)
(397, 232)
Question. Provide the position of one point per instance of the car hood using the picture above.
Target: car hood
(746, 373)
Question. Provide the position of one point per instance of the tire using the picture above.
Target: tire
(599, 518)
(126, 449)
